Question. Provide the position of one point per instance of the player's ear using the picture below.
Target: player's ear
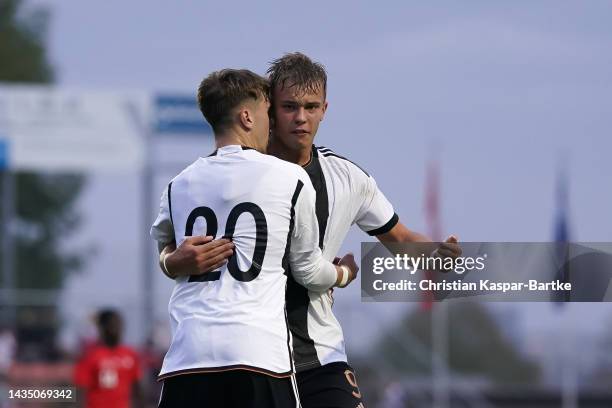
(324, 109)
(245, 116)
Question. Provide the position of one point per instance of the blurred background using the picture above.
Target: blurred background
(488, 120)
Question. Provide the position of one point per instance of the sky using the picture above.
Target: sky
(501, 94)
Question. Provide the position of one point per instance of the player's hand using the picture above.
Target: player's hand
(348, 261)
(198, 255)
(448, 249)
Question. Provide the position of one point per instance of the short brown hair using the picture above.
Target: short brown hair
(222, 91)
(297, 70)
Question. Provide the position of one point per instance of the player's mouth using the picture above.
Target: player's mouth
(299, 132)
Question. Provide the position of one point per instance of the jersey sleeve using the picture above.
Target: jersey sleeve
(376, 215)
(162, 230)
(308, 266)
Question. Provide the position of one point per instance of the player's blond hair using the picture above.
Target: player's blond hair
(296, 70)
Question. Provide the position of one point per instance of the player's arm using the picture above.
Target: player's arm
(194, 256)
(308, 266)
(377, 218)
(421, 244)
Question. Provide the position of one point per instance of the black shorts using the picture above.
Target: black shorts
(330, 386)
(228, 389)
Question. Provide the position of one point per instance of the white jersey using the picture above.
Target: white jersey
(345, 195)
(235, 318)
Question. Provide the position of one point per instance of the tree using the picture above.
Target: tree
(44, 205)
(22, 49)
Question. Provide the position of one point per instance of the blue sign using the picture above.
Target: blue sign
(179, 114)
(4, 154)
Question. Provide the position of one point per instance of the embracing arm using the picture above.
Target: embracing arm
(194, 256)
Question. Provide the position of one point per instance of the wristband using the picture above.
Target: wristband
(346, 273)
(162, 261)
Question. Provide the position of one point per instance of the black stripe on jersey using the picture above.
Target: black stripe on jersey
(170, 202)
(313, 168)
(285, 264)
(385, 228)
(296, 308)
(304, 351)
(327, 152)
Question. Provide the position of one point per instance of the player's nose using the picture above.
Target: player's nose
(300, 115)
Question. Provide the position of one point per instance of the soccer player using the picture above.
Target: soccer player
(231, 344)
(345, 195)
(109, 373)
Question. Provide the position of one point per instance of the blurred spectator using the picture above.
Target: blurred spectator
(109, 373)
(7, 355)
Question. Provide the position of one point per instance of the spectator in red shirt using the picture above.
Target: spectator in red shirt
(109, 374)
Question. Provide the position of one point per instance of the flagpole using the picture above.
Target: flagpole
(569, 392)
(441, 381)
(438, 310)
(569, 381)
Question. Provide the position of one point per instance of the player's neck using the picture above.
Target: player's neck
(111, 343)
(300, 157)
(234, 138)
